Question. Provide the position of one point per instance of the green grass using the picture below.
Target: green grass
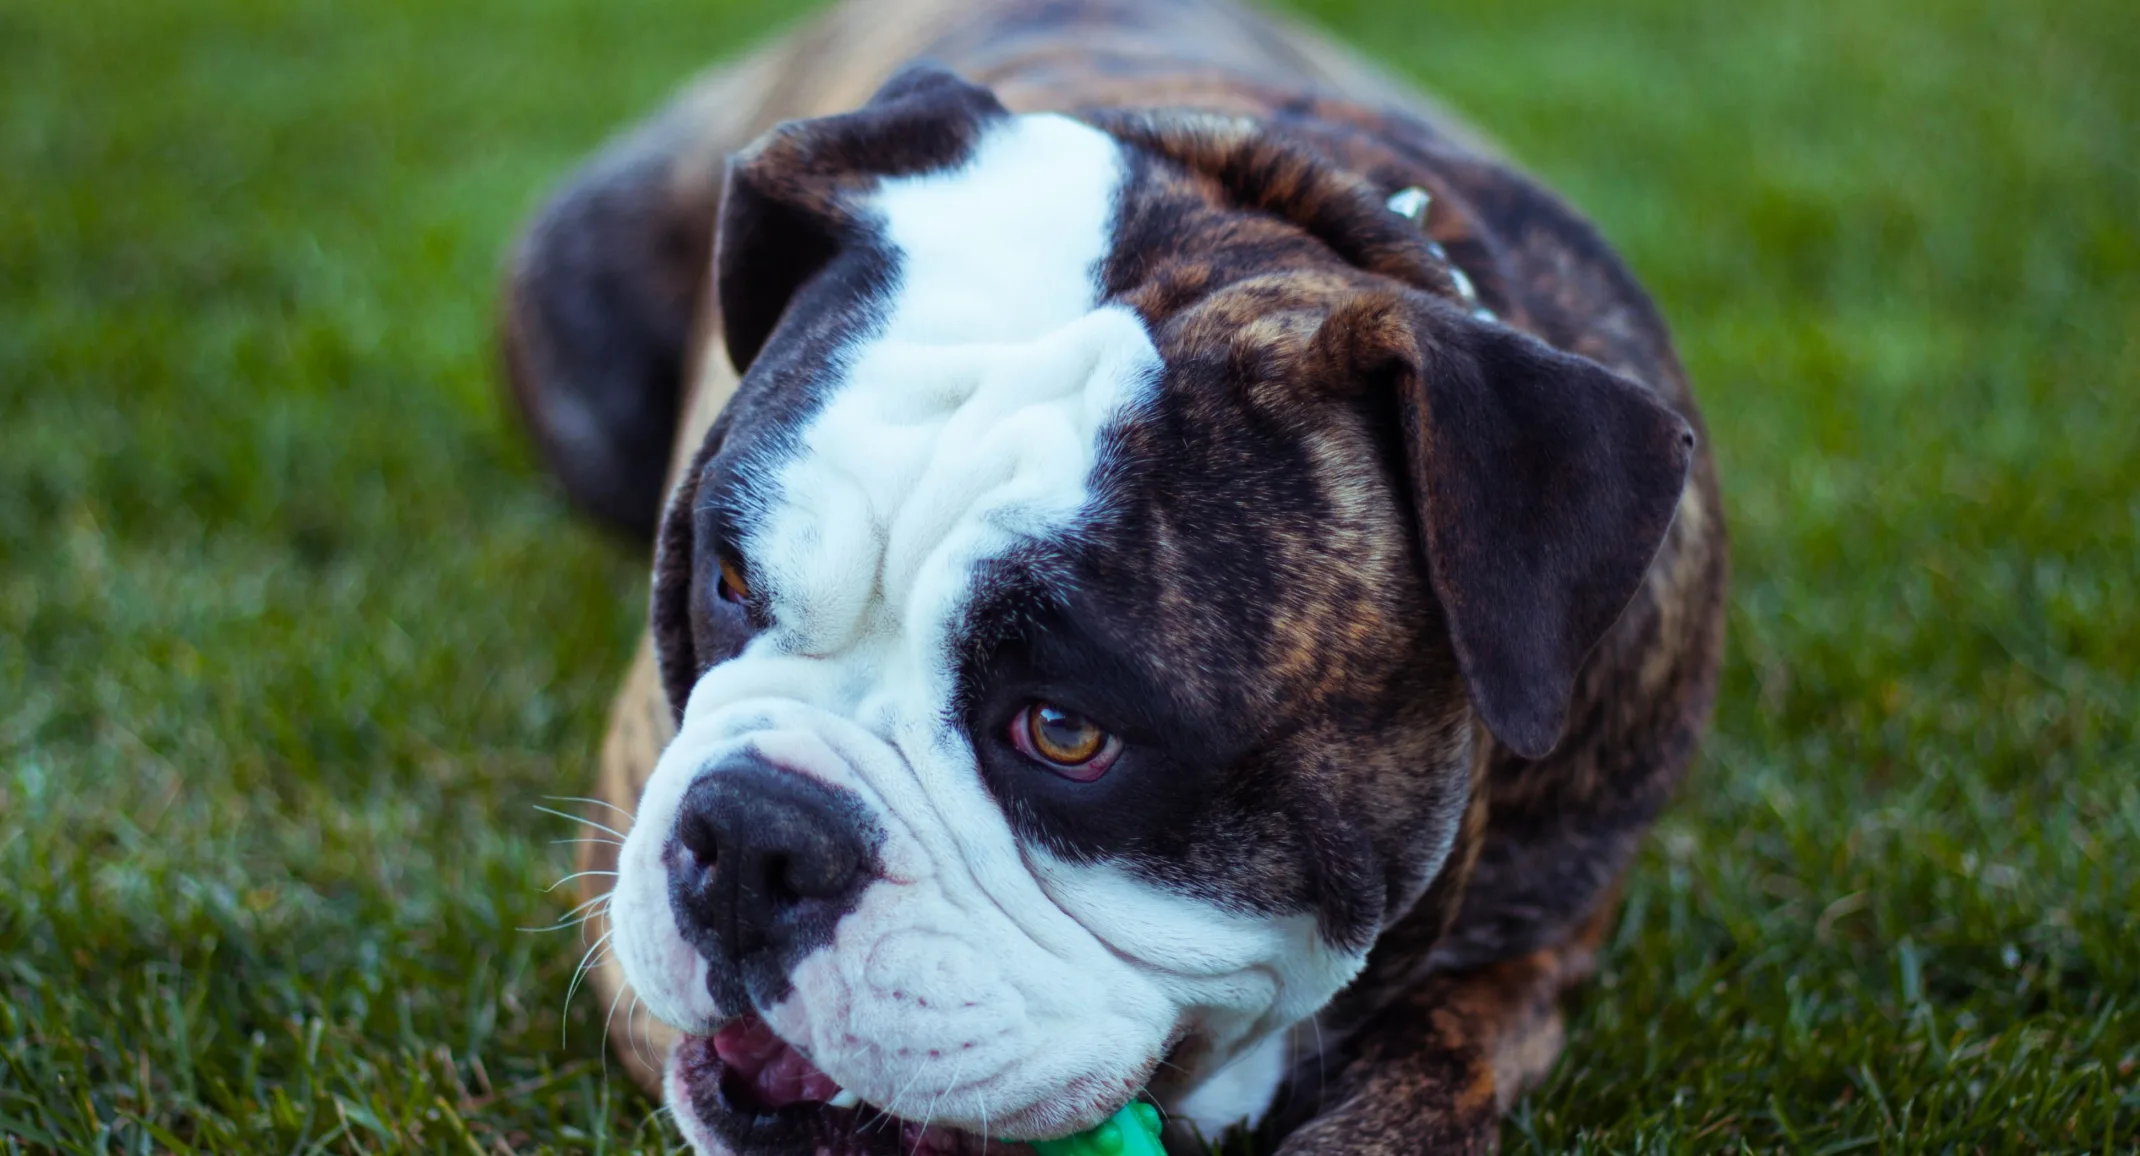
(293, 637)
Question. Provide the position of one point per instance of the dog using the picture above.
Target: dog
(1178, 573)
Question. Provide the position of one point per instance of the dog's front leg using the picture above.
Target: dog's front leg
(1433, 1072)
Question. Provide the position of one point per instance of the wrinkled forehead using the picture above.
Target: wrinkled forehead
(958, 406)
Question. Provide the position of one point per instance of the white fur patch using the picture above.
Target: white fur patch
(971, 418)
(1241, 1091)
(981, 982)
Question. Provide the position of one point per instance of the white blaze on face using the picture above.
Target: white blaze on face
(985, 982)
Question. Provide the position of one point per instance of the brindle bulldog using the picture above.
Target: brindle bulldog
(1177, 574)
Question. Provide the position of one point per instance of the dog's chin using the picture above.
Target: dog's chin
(742, 1091)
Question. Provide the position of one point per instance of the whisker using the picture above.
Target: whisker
(859, 1122)
(631, 1016)
(874, 1123)
(580, 973)
(930, 1113)
(565, 925)
(609, 1019)
(585, 906)
(890, 1107)
(576, 875)
(593, 839)
(595, 802)
(582, 820)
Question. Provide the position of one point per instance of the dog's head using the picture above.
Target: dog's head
(1082, 617)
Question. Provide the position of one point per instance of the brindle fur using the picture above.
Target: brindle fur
(1457, 1010)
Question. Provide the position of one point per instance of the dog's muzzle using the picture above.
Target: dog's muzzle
(762, 862)
(855, 950)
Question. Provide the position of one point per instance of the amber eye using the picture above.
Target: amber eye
(733, 588)
(1067, 743)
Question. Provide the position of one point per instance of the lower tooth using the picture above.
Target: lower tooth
(844, 1099)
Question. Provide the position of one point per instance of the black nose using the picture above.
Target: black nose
(765, 862)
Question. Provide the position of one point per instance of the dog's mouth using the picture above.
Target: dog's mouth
(751, 1092)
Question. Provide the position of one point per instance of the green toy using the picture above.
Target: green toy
(1133, 1131)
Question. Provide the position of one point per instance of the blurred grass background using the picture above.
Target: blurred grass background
(293, 638)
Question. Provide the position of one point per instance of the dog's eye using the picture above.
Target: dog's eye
(1067, 743)
(732, 586)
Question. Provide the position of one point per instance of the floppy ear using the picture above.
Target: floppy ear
(599, 303)
(1543, 484)
(606, 284)
(784, 211)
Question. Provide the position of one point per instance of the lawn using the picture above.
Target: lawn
(294, 639)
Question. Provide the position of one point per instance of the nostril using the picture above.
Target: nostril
(780, 879)
(696, 831)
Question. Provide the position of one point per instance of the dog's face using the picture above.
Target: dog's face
(1081, 619)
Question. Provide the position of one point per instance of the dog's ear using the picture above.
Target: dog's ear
(786, 212)
(601, 295)
(1543, 484)
(607, 283)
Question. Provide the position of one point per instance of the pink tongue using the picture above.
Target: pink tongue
(777, 1073)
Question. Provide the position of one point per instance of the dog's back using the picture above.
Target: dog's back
(616, 361)
(605, 305)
